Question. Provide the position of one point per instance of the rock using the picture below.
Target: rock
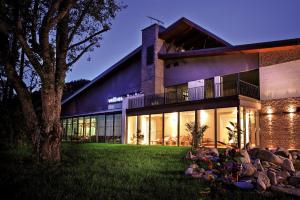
(266, 164)
(213, 151)
(201, 170)
(265, 155)
(253, 152)
(294, 180)
(288, 165)
(248, 169)
(272, 177)
(194, 166)
(258, 165)
(294, 155)
(290, 191)
(244, 185)
(190, 156)
(189, 171)
(197, 175)
(263, 182)
(283, 174)
(245, 158)
(282, 152)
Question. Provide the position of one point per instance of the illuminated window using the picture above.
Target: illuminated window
(156, 129)
(185, 137)
(171, 127)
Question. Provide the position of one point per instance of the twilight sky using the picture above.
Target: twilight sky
(236, 21)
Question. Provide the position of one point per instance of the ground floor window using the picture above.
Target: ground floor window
(96, 128)
(207, 117)
(156, 133)
(170, 128)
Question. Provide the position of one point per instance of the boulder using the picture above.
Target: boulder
(283, 174)
(265, 155)
(244, 185)
(263, 182)
(290, 191)
(194, 166)
(288, 165)
(294, 155)
(248, 169)
(294, 180)
(272, 177)
(253, 152)
(258, 165)
(245, 158)
(189, 171)
(197, 174)
(213, 151)
(282, 152)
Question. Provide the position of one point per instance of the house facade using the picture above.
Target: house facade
(245, 94)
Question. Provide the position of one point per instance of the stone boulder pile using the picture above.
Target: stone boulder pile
(256, 168)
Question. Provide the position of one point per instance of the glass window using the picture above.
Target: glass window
(87, 127)
(156, 129)
(109, 128)
(131, 129)
(171, 127)
(143, 129)
(69, 127)
(101, 128)
(80, 127)
(75, 126)
(227, 126)
(117, 128)
(207, 117)
(93, 129)
(64, 126)
(185, 137)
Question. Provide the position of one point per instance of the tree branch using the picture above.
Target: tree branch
(78, 22)
(29, 53)
(80, 54)
(88, 38)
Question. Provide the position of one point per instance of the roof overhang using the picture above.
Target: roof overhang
(246, 48)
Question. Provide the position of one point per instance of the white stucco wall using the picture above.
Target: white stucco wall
(280, 80)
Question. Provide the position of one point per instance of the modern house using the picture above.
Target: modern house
(184, 73)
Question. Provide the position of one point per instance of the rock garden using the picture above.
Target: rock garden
(256, 169)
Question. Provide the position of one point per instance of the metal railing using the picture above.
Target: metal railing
(197, 93)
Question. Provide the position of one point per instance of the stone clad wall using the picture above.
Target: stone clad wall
(280, 99)
(280, 123)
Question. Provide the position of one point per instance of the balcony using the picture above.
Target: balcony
(209, 91)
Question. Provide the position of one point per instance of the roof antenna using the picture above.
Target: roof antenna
(156, 20)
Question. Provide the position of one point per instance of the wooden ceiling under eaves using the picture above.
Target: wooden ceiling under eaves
(190, 36)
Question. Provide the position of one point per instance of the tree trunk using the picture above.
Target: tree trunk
(50, 141)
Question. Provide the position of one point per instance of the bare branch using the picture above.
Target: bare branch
(80, 54)
(79, 21)
(88, 38)
(29, 53)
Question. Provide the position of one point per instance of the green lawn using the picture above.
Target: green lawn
(105, 171)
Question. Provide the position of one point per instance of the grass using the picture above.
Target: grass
(105, 171)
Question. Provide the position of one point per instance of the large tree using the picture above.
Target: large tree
(53, 34)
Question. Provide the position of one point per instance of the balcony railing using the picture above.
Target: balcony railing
(197, 93)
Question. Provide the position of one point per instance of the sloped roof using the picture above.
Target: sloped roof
(104, 74)
(184, 29)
